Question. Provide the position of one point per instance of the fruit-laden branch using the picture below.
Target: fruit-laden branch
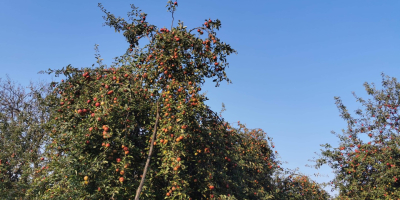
(139, 190)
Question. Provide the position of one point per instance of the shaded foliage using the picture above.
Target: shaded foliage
(23, 116)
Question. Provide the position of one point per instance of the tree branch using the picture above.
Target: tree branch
(139, 190)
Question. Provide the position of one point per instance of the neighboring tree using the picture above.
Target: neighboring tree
(366, 163)
(141, 128)
(256, 162)
(23, 115)
(297, 186)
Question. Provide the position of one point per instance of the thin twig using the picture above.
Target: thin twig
(172, 24)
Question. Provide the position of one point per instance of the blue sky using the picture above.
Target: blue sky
(293, 56)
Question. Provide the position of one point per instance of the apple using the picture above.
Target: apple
(118, 160)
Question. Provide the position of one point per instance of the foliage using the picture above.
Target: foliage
(139, 127)
(297, 186)
(102, 120)
(366, 162)
(23, 115)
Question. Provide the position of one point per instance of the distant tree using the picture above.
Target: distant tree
(366, 163)
(23, 115)
(296, 186)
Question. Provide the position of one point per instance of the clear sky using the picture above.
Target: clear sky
(293, 56)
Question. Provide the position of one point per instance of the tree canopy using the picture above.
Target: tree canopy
(140, 128)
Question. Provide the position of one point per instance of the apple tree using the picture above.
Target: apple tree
(366, 161)
(140, 128)
(298, 186)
